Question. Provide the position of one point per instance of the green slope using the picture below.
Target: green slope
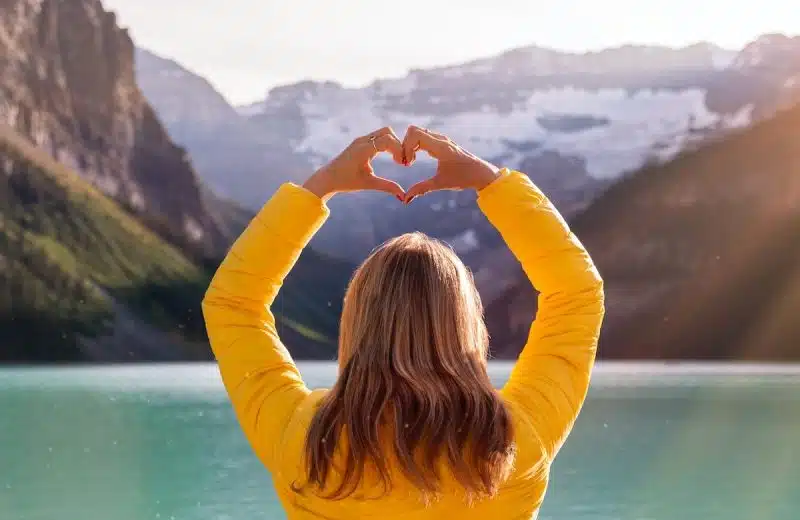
(72, 260)
(68, 252)
(308, 307)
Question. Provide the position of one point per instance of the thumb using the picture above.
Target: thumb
(420, 188)
(385, 185)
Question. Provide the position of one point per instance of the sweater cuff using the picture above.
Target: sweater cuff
(497, 195)
(294, 213)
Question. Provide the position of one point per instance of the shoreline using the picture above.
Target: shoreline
(203, 378)
(602, 367)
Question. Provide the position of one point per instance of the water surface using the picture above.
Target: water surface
(160, 442)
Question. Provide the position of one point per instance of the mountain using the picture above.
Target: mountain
(700, 256)
(236, 158)
(774, 54)
(108, 237)
(574, 122)
(81, 279)
(67, 83)
(611, 110)
(764, 75)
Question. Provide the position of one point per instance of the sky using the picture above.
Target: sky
(245, 47)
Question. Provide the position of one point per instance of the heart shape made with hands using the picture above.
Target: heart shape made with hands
(456, 168)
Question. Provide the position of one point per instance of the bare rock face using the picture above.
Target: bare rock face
(67, 82)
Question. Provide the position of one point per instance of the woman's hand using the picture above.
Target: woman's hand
(351, 170)
(457, 169)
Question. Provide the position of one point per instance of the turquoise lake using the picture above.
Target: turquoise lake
(160, 442)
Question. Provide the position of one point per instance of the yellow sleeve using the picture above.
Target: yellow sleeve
(259, 375)
(551, 378)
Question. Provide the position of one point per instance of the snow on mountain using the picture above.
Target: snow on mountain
(613, 129)
(615, 108)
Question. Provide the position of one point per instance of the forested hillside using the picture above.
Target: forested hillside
(701, 256)
(69, 255)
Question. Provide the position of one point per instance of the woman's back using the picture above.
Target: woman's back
(412, 428)
(519, 497)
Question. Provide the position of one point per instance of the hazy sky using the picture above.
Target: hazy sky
(246, 46)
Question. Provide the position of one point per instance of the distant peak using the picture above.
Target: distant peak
(773, 38)
(304, 88)
(771, 48)
(147, 59)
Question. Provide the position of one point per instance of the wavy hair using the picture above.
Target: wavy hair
(413, 393)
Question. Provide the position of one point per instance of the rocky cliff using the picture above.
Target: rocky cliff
(67, 83)
(107, 235)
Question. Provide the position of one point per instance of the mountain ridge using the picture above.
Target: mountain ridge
(574, 133)
(583, 131)
(84, 280)
(108, 236)
(699, 254)
(705, 46)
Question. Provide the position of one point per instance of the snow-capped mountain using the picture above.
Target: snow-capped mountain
(611, 108)
(574, 122)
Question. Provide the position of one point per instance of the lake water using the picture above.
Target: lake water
(160, 442)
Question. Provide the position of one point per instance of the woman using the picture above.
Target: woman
(412, 428)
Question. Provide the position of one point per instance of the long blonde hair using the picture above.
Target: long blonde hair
(412, 386)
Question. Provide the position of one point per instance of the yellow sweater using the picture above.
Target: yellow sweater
(545, 391)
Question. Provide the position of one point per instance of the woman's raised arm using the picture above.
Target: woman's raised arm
(259, 375)
(551, 377)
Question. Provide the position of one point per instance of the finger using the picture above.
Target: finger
(418, 139)
(451, 146)
(390, 143)
(377, 133)
(383, 140)
(421, 188)
(411, 144)
(435, 134)
(385, 185)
